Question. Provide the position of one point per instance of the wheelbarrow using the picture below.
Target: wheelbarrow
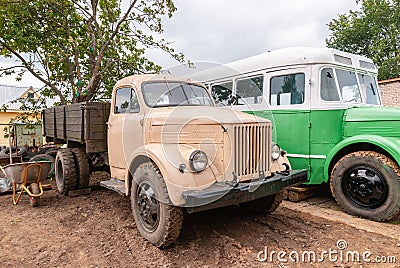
(27, 178)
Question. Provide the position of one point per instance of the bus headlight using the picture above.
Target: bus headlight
(275, 151)
(198, 161)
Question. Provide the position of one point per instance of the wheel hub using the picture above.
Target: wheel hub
(365, 186)
(148, 206)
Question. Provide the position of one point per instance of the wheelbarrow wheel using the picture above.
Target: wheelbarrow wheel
(65, 171)
(35, 200)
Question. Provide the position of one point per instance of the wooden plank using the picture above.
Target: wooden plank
(96, 146)
(300, 193)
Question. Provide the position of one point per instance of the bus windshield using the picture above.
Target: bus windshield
(165, 94)
(348, 86)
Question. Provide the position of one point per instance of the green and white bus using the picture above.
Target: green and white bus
(327, 114)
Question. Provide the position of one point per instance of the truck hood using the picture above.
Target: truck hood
(200, 115)
(372, 113)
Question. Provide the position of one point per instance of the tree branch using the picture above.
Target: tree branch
(32, 71)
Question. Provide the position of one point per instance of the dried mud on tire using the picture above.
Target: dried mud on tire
(98, 230)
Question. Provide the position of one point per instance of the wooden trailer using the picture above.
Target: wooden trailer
(78, 125)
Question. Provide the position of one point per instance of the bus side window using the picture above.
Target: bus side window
(287, 89)
(222, 93)
(249, 90)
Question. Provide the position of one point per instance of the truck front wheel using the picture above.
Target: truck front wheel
(367, 184)
(156, 219)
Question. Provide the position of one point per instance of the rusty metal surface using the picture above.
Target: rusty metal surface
(16, 172)
(28, 135)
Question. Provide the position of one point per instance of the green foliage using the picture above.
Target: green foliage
(374, 31)
(80, 48)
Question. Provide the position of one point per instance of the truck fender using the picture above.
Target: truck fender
(388, 144)
(176, 181)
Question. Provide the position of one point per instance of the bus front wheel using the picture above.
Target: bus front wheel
(367, 184)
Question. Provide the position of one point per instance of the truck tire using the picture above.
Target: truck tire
(156, 219)
(263, 205)
(44, 157)
(34, 200)
(65, 171)
(82, 168)
(367, 184)
(52, 152)
(20, 150)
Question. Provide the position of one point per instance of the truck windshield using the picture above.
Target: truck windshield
(164, 94)
(350, 86)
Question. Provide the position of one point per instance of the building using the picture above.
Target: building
(390, 90)
(10, 107)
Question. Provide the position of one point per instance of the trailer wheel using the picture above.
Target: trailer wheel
(156, 219)
(82, 168)
(262, 205)
(65, 171)
(367, 184)
(34, 200)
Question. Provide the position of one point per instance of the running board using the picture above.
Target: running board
(115, 185)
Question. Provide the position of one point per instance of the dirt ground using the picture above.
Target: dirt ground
(97, 230)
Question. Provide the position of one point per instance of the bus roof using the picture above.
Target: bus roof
(284, 57)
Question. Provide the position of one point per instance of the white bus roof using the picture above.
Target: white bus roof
(284, 57)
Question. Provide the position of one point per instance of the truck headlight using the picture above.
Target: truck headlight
(275, 151)
(198, 161)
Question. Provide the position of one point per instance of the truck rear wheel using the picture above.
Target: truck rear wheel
(65, 171)
(262, 205)
(367, 184)
(156, 219)
(82, 167)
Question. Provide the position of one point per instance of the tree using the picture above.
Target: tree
(79, 48)
(374, 32)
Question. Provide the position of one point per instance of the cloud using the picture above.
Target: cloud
(223, 31)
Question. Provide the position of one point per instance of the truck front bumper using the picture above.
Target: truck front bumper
(222, 194)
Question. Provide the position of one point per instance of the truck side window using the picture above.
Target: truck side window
(222, 93)
(328, 89)
(126, 101)
(287, 89)
(249, 90)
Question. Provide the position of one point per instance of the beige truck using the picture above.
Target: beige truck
(169, 148)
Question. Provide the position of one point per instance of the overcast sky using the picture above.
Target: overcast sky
(221, 31)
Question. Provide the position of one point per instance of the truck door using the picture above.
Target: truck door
(125, 133)
(288, 94)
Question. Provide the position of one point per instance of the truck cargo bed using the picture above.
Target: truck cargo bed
(83, 123)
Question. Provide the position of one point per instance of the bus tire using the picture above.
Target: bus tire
(367, 184)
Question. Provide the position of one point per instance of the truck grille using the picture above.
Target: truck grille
(251, 149)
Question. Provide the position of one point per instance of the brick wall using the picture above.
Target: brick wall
(390, 90)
